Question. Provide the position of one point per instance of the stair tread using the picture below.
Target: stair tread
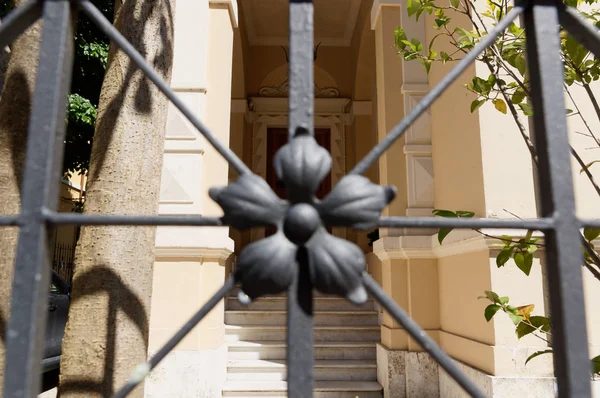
(281, 312)
(277, 327)
(279, 343)
(281, 363)
(258, 386)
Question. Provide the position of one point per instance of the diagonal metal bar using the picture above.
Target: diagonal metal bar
(563, 244)
(113, 34)
(144, 369)
(432, 222)
(97, 219)
(300, 348)
(581, 29)
(7, 221)
(26, 327)
(19, 20)
(436, 92)
(415, 331)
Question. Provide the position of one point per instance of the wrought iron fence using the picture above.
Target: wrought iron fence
(301, 256)
(63, 260)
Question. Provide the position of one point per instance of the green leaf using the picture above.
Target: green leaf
(412, 6)
(465, 214)
(526, 108)
(490, 311)
(504, 300)
(537, 354)
(445, 57)
(524, 261)
(476, 104)
(500, 105)
(400, 37)
(417, 45)
(523, 329)
(454, 3)
(540, 322)
(444, 213)
(521, 64)
(507, 239)
(516, 319)
(426, 64)
(442, 233)
(492, 296)
(576, 51)
(503, 257)
(518, 96)
(596, 365)
(535, 323)
(591, 233)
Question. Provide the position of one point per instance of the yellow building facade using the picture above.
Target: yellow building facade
(230, 68)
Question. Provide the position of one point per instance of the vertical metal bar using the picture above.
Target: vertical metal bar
(25, 335)
(300, 349)
(571, 356)
(302, 94)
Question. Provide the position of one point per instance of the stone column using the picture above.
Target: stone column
(190, 262)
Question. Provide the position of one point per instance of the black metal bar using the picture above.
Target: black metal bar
(436, 92)
(26, 327)
(144, 369)
(100, 219)
(302, 90)
(464, 223)
(18, 21)
(563, 244)
(300, 348)
(421, 337)
(581, 29)
(113, 34)
(7, 221)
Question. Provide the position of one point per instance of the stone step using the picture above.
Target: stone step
(323, 350)
(316, 293)
(323, 318)
(325, 370)
(279, 303)
(322, 389)
(321, 333)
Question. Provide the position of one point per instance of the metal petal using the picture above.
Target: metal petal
(355, 201)
(336, 266)
(267, 266)
(302, 164)
(249, 202)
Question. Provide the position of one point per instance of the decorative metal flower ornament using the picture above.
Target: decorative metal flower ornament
(270, 265)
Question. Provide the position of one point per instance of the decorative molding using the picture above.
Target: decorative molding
(417, 149)
(233, 9)
(420, 181)
(457, 243)
(283, 91)
(269, 106)
(411, 88)
(197, 253)
(376, 9)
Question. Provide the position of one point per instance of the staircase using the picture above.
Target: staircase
(344, 338)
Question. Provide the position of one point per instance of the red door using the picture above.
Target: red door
(278, 137)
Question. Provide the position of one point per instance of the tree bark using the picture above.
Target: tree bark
(15, 106)
(107, 331)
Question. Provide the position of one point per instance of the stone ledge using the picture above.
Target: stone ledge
(233, 9)
(220, 254)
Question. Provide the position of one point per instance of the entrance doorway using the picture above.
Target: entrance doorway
(278, 137)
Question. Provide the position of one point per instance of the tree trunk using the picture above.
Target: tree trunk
(107, 331)
(15, 106)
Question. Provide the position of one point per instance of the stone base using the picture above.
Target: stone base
(405, 374)
(190, 374)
